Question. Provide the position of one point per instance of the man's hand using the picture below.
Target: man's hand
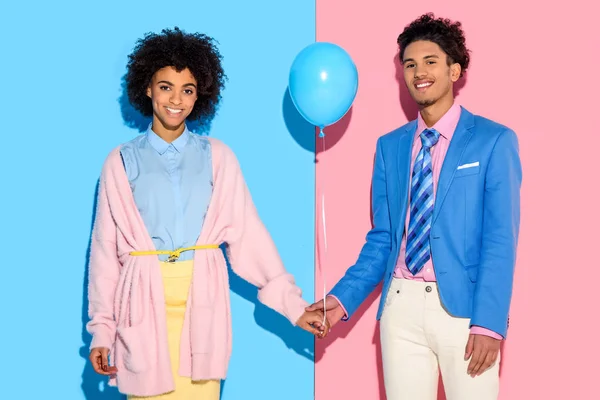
(483, 352)
(99, 360)
(334, 311)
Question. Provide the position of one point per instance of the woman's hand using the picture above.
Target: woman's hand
(312, 321)
(99, 360)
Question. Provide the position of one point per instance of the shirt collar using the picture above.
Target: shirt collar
(445, 126)
(161, 146)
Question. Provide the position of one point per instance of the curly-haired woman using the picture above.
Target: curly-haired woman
(168, 201)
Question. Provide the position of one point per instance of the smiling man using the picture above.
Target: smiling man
(446, 212)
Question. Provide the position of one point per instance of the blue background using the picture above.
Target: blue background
(63, 111)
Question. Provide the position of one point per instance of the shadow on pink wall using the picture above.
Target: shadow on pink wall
(410, 109)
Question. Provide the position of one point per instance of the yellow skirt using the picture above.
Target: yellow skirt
(177, 277)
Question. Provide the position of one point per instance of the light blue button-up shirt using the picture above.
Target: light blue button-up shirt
(172, 186)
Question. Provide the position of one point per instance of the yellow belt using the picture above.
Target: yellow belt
(173, 255)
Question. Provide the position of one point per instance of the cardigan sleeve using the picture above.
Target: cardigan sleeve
(251, 250)
(103, 276)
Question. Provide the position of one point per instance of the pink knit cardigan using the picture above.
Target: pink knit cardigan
(126, 299)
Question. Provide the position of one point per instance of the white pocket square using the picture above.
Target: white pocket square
(471, 165)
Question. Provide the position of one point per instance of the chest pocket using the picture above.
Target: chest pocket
(466, 171)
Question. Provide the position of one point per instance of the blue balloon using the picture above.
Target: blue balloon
(323, 83)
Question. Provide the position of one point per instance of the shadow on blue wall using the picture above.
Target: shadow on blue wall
(306, 134)
(93, 385)
(294, 338)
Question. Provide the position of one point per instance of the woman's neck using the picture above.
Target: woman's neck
(166, 133)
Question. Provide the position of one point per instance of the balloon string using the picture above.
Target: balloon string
(324, 225)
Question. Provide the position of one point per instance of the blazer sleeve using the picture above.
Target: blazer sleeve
(368, 271)
(501, 218)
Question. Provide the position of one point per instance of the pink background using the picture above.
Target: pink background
(534, 68)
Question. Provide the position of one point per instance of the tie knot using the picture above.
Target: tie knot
(429, 137)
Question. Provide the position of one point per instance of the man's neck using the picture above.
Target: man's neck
(433, 113)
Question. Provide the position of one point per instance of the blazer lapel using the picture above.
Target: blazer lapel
(458, 144)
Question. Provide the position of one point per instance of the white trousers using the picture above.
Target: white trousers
(419, 339)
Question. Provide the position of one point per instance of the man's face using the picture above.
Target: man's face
(427, 74)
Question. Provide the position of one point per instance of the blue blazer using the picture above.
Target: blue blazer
(475, 222)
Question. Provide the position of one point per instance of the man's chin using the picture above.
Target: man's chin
(425, 103)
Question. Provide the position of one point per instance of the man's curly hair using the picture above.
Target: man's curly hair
(180, 50)
(442, 31)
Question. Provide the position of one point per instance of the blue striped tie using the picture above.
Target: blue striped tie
(421, 205)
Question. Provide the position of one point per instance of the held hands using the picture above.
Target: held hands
(312, 321)
(334, 310)
(99, 359)
(483, 352)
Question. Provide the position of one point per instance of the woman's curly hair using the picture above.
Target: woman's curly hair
(442, 31)
(180, 50)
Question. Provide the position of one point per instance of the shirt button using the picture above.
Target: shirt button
(428, 289)
(428, 269)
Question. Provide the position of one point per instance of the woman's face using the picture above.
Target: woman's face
(173, 96)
